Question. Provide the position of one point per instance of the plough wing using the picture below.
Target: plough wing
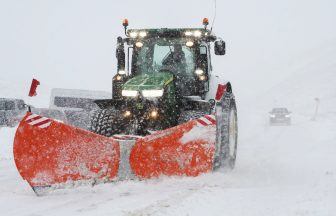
(48, 152)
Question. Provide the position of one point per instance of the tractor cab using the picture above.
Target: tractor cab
(184, 54)
(164, 118)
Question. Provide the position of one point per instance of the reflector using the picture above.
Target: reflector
(33, 87)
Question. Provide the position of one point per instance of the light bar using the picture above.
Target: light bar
(129, 93)
(152, 93)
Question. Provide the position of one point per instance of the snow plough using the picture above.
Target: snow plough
(169, 115)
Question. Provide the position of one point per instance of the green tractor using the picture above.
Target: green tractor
(169, 115)
(164, 79)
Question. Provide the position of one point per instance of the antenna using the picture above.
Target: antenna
(214, 18)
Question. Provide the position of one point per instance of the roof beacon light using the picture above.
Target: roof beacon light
(125, 22)
(205, 22)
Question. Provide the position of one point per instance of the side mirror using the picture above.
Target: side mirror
(120, 54)
(220, 47)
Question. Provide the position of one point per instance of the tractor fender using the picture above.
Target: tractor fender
(218, 90)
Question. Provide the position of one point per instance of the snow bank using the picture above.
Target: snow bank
(6, 142)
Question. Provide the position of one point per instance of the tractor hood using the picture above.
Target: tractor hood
(152, 81)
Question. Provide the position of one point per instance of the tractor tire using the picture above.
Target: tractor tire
(106, 122)
(226, 132)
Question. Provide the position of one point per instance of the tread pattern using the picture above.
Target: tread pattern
(106, 122)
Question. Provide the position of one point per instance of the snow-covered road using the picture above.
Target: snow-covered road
(280, 171)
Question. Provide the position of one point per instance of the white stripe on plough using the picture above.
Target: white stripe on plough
(45, 125)
(39, 120)
(31, 117)
(203, 121)
(206, 120)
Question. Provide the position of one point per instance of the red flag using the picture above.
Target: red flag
(33, 87)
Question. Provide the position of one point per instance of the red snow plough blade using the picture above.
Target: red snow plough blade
(48, 153)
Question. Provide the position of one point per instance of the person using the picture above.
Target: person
(176, 60)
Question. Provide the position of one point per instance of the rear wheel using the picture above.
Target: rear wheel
(190, 115)
(226, 132)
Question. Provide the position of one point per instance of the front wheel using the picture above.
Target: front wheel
(106, 122)
(226, 132)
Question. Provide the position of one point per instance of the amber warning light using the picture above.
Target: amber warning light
(205, 22)
(125, 22)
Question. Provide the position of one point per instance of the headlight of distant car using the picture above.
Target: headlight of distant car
(272, 115)
(287, 116)
(152, 93)
(129, 93)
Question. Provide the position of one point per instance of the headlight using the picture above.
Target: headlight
(154, 114)
(139, 44)
(127, 113)
(118, 77)
(272, 116)
(199, 71)
(152, 93)
(197, 33)
(202, 77)
(287, 116)
(134, 34)
(189, 44)
(121, 72)
(143, 34)
(129, 93)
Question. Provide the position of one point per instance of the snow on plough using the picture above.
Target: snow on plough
(168, 116)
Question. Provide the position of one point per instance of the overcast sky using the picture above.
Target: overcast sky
(71, 43)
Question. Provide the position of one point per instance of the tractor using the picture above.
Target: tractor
(163, 79)
(169, 115)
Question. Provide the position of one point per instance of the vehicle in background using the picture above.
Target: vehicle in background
(11, 111)
(280, 115)
(75, 105)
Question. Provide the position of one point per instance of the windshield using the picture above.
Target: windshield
(162, 54)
